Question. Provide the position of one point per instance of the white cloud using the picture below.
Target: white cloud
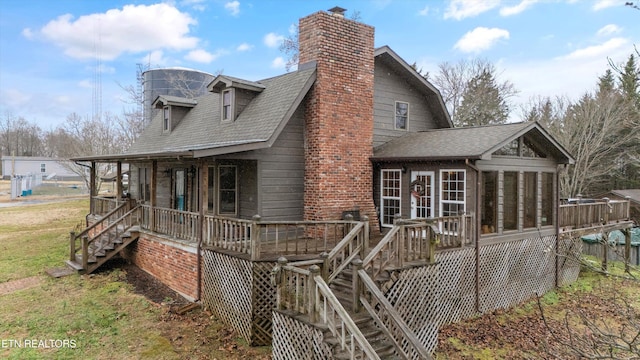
(131, 29)
(570, 75)
(28, 33)
(424, 11)
(15, 98)
(155, 58)
(233, 7)
(480, 39)
(278, 63)
(460, 9)
(200, 56)
(273, 40)
(603, 4)
(244, 47)
(85, 84)
(600, 51)
(609, 30)
(517, 9)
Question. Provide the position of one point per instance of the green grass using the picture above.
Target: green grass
(30, 245)
(100, 313)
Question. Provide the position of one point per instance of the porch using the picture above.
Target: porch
(237, 257)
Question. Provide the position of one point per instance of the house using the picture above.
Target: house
(633, 195)
(31, 165)
(253, 194)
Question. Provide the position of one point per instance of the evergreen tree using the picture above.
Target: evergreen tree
(482, 102)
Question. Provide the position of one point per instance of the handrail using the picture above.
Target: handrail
(106, 218)
(352, 245)
(331, 306)
(377, 252)
(126, 220)
(406, 336)
(589, 214)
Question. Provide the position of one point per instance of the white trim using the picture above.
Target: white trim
(232, 105)
(393, 198)
(430, 205)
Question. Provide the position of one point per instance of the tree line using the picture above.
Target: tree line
(601, 129)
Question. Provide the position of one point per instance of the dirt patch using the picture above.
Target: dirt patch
(195, 334)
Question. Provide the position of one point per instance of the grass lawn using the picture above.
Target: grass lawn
(98, 316)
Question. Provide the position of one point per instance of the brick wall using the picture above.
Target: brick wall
(173, 264)
(339, 116)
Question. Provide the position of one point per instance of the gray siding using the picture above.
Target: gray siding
(280, 168)
(390, 87)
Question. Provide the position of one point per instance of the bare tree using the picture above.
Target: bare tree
(453, 81)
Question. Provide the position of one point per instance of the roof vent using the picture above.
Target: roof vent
(337, 11)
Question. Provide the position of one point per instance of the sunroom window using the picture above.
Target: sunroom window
(390, 197)
(452, 197)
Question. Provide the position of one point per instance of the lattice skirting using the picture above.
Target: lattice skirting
(239, 292)
(294, 339)
(569, 251)
(512, 272)
(415, 295)
(457, 281)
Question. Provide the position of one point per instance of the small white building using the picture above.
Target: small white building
(46, 166)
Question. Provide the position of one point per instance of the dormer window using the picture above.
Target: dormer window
(401, 115)
(166, 119)
(227, 105)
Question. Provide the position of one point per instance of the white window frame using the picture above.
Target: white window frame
(232, 100)
(458, 202)
(384, 197)
(395, 115)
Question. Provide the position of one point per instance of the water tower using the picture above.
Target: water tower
(181, 82)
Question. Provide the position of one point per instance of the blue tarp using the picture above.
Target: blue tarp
(615, 237)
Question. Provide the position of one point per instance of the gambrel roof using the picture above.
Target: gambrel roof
(473, 143)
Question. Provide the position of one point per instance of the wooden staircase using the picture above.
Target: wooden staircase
(342, 287)
(104, 239)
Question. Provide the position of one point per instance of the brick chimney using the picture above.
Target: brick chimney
(339, 116)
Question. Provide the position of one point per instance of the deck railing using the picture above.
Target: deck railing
(179, 224)
(103, 205)
(591, 214)
(304, 291)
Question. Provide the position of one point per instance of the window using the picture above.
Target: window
(547, 199)
(489, 214)
(452, 199)
(166, 119)
(144, 179)
(211, 189)
(43, 168)
(510, 200)
(390, 195)
(228, 189)
(530, 199)
(227, 105)
(402, 115)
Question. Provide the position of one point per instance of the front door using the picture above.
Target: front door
(180, 190)
(421, 194)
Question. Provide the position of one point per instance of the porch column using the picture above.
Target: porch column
(152, 194)
(118, 180)
(202, 200)
(92, 187)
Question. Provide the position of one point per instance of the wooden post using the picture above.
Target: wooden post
(152, 194)
(282, 284)
(577, 224)
(607, 210)
(92, 188)
(365, 244)
(119, 191)
(255, 237)
(85, 253)
(356, 284)
(401, 243)
(202, 200)
(627, 249)
(325, 265)
(72, 246)
(605, 251)
(432, 245)
(313, 299)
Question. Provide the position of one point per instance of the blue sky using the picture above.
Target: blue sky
(48, 49)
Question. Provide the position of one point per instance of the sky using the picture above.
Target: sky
(61, 57)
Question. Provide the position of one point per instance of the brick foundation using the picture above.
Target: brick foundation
(174, 264)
